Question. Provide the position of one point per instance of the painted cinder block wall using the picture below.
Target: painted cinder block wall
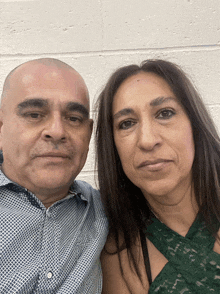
(98, 36)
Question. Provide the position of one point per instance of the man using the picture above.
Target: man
(52, 228)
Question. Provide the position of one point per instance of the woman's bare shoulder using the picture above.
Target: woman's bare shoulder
(114, 282)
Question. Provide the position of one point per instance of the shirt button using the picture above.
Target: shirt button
(48, 214)
(49, 275)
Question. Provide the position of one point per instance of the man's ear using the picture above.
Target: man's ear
(1, 124)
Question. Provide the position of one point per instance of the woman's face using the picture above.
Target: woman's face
(153, 136)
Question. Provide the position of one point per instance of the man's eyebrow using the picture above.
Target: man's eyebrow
(74, 106)
(123, 112)
(32, 102)
(159, 100)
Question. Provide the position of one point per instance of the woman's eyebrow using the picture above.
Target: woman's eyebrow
(123, 112)
(159, 100)
(155, 102)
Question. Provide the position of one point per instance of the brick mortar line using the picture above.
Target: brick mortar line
(193, 48)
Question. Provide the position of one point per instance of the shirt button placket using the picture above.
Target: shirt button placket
(49, 245)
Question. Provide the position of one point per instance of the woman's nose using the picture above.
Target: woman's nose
(148, 136)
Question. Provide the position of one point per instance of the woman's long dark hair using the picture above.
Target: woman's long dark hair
(124, 203)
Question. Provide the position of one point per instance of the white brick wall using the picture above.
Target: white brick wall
(97, 36)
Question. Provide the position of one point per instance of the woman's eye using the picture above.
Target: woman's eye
(126, 124)
(166, 114)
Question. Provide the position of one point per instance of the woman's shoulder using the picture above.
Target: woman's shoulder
(119, 275)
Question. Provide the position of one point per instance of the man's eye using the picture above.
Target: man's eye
(33, 115)
(166, 114)
(75, 119)
(126, 124)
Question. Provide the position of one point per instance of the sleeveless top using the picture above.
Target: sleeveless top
(192, 267)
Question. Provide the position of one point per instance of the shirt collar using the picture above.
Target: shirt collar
(77, 190)
(74, 190)
(4, 180)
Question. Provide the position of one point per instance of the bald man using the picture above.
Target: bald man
(52, 227)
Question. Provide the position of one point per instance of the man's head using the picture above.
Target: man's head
(44, 127)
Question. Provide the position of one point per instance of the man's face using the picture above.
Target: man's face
(45, 128)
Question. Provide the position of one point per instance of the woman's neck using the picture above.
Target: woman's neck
(178, 214)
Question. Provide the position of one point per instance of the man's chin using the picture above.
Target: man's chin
(45, 180)
(51, 182)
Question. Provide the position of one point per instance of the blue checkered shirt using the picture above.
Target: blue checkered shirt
(54, 250)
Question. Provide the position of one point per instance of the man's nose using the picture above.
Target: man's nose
(54, 129)
(148, 136)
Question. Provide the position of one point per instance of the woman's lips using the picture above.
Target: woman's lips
(154, 165)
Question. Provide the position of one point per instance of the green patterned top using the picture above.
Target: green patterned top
(193, 267)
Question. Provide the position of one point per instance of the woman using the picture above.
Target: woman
(159, 167)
